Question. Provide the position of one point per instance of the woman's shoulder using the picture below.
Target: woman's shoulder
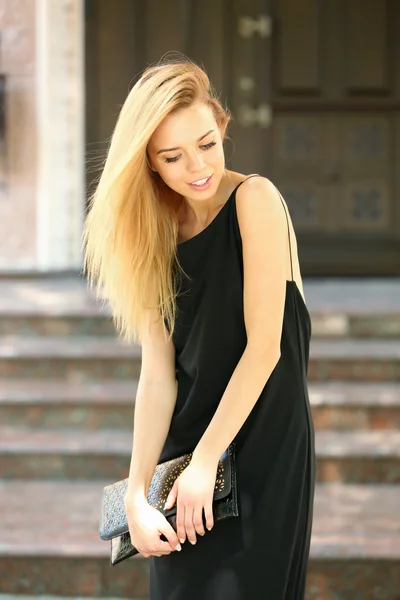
(250, 185)
(259, 207)
(240, 181)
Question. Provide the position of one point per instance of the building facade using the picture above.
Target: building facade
(314, 89)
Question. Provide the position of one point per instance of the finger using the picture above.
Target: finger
(189, 526)
(209, 515)
(172, 496)
(161, 548)
(180, 522)
(171, 535)
(198, 520)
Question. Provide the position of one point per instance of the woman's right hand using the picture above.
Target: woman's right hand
(146, 524)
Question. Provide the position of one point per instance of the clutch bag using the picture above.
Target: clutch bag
(113, 521)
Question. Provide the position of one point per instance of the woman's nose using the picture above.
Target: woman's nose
(196, 161)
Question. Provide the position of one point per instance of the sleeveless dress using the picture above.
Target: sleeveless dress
(263, 553)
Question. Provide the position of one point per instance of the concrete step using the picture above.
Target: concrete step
(73, 359)
(40, 403)
(344, 456)
(50, 545)
(55, 597)
(354, 360)
(42, 324)
(65, 306)
(83, 358)
(355, 405)
(349, 325)
(98, 322)
(54, 404)
(64, 454)
(358, 456)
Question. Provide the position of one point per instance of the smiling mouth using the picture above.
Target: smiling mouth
(201, 181)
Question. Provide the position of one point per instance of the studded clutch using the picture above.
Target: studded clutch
(113, 521)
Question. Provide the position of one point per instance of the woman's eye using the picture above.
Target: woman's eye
(210, 145)
(204, 147)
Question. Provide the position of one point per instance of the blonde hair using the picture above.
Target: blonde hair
(130, 232)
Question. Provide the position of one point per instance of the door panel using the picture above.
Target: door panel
(334, 133)
(111, 47)
(299, 54)
(368, 41)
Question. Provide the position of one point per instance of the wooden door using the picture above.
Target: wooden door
(314, 88)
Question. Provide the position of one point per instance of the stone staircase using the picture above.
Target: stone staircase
(67, 390)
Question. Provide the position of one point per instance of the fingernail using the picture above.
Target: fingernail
(182, 540)
(193, 542)
(178, 547)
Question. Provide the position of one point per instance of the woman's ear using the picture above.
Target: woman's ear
(152, 168)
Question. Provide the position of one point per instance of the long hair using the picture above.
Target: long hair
(130, 232)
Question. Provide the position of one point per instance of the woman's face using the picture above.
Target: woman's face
(186, 148)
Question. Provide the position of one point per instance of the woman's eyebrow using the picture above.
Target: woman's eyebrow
(177, 148)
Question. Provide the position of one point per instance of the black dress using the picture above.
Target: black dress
(263, 553)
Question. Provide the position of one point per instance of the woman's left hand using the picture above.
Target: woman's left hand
(193, 491)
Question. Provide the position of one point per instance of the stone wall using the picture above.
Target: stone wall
(19, 156)
(42, 191)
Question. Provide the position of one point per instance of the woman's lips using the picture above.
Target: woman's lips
(201, 187)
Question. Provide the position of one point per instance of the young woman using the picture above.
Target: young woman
(200, 266)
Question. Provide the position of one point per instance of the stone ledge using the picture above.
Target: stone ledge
(41, 391)
(363, 444)
(85, 578)
(69, 294)
(354, 394)
(46, 518)
(51, 597)
(88, 347)
(13, 347)
(345, 349)
(50, 322)
(329, 393)
(328, 443)
(14, 440)
(110, 404)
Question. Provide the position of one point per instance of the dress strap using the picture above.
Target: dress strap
(255, 175)
(288, 228)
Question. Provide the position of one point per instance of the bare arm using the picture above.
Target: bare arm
(266, 261)
(155, 402)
